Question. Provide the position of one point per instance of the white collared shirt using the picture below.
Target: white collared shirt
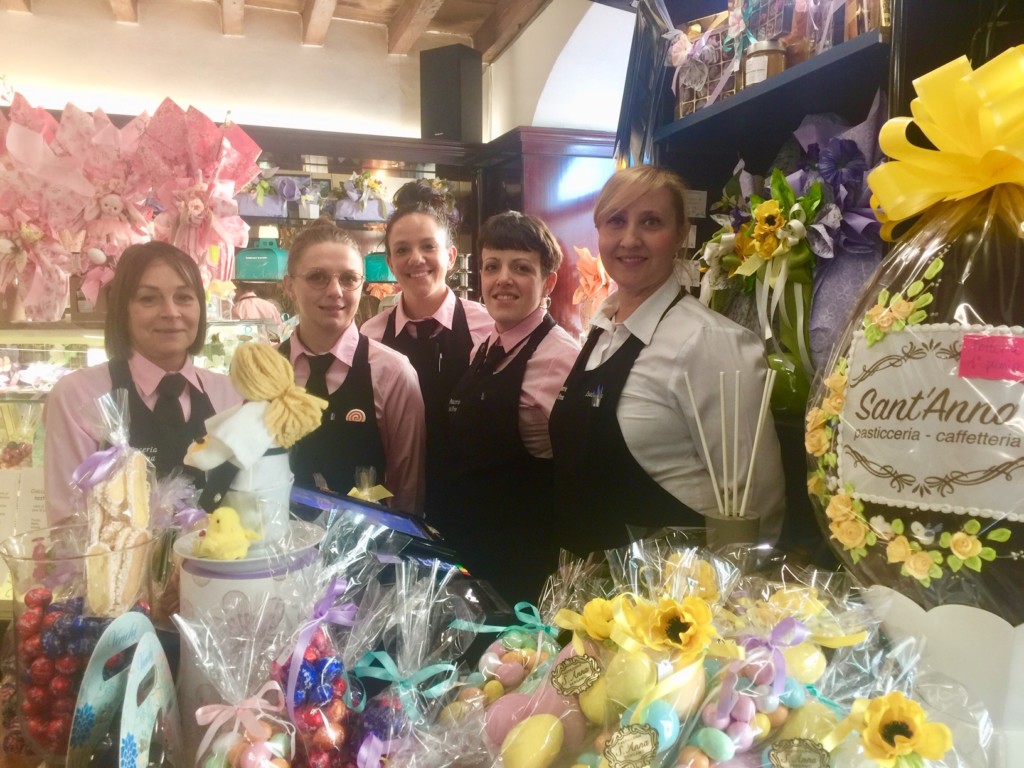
(655, 414)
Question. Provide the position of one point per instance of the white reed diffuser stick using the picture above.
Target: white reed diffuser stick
(725, 447)
(704, 444)
(735, 436)
(765, 400)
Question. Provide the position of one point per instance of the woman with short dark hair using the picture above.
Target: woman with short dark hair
(156, 322)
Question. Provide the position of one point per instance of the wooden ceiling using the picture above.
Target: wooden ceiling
(491, 25)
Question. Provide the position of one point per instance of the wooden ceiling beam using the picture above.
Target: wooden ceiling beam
(316, 20)
(409, 22)
(125, 10)
(503, 25)
(24, 6)
(232, 17)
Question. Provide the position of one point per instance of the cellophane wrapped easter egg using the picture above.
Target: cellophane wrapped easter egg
(915, 432)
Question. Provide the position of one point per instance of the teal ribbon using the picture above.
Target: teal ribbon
(837, 708)
(526, 613)
(746, 37)
(380, 665)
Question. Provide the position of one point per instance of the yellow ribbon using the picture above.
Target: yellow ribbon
(847, 726)
(975, 120)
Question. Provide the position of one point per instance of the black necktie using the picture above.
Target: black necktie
(316, 384)
(495, 355)
(425, 329)
(168, 405)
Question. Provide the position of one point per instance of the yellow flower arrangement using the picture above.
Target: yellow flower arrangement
(683, 629)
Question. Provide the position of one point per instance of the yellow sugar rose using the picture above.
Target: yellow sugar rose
(834, 403)
(815, 418)
(840, 507)
(836, 382)
(918, 565)
(964, 545)
(898, 550)
(881, 317)
(816, 442)
(901, 309)
(815, 485)
(852, 534)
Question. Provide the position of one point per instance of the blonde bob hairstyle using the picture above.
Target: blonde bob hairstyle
(630, 184)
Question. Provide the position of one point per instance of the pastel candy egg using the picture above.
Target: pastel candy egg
(454, 712)
(225, 742)
(533, 743)
(741, 734)
(691, 757)
(493, 690)
(588, 760)
(778, 717)
(546, 700)
(515, 639)
(280, 744)
(762, 725)
(595, 704)
(743, 709)
(710, 717)
(662, 718)
(630, 675)
(503, 715)
(256, 756)
(716, 744)
(475, 678)
(215, 761)
(470, 693)
(812, 721)
(510, 674)
(805, 662)
(765, 700)
(794, 695)
(489, 662)
(497, 648)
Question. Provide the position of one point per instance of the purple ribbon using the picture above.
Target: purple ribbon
(786, 633)
(370, 752)
(287, 188)
(324, 612)
(189, 517)
(97, 467)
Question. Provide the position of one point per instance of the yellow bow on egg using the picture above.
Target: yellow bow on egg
(975, 120)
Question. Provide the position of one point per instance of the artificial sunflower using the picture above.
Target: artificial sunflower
(894, 731)
(682, 628)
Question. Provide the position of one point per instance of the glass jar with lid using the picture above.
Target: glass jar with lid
(763, 59)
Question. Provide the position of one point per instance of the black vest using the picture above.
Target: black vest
(599, 486)
(440, 362)
(347, 437)
(498, 515)
(164, 444)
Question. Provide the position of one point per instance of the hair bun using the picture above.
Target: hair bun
(435, 194)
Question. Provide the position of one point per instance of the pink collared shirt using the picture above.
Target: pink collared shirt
(545, 374)
(479, 322)
(397, 402)
(71, 418)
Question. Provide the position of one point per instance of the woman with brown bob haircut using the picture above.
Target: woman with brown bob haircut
(156, 322)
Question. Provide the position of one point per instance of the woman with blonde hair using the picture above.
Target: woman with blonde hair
(624, 431)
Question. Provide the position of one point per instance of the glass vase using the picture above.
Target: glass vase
(56, 585)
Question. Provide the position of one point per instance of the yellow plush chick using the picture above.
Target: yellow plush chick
(224, 537)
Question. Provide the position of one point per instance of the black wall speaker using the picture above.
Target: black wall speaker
(451, 94)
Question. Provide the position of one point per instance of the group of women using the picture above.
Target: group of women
(486, 418)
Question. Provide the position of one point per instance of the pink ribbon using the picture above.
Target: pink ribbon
(94, 281)
(324, 612)
(97, 467)
(247, 714)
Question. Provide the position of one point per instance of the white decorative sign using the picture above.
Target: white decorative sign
(916, 433)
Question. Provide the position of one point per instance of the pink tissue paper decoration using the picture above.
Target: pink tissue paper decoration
(42, 193)
(196, 167)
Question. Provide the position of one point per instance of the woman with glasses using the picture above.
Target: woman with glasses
(430, 325)
(374, 416)
(155, 323)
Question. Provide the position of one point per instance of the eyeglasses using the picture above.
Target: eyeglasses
(321, 278)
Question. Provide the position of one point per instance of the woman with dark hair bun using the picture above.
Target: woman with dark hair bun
(374, 416)
(155, 323)
(430, 325)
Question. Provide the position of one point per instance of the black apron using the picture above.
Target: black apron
(599, 486)
(440, 362)
(163, 444)
(498, 520)
(347, 437)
